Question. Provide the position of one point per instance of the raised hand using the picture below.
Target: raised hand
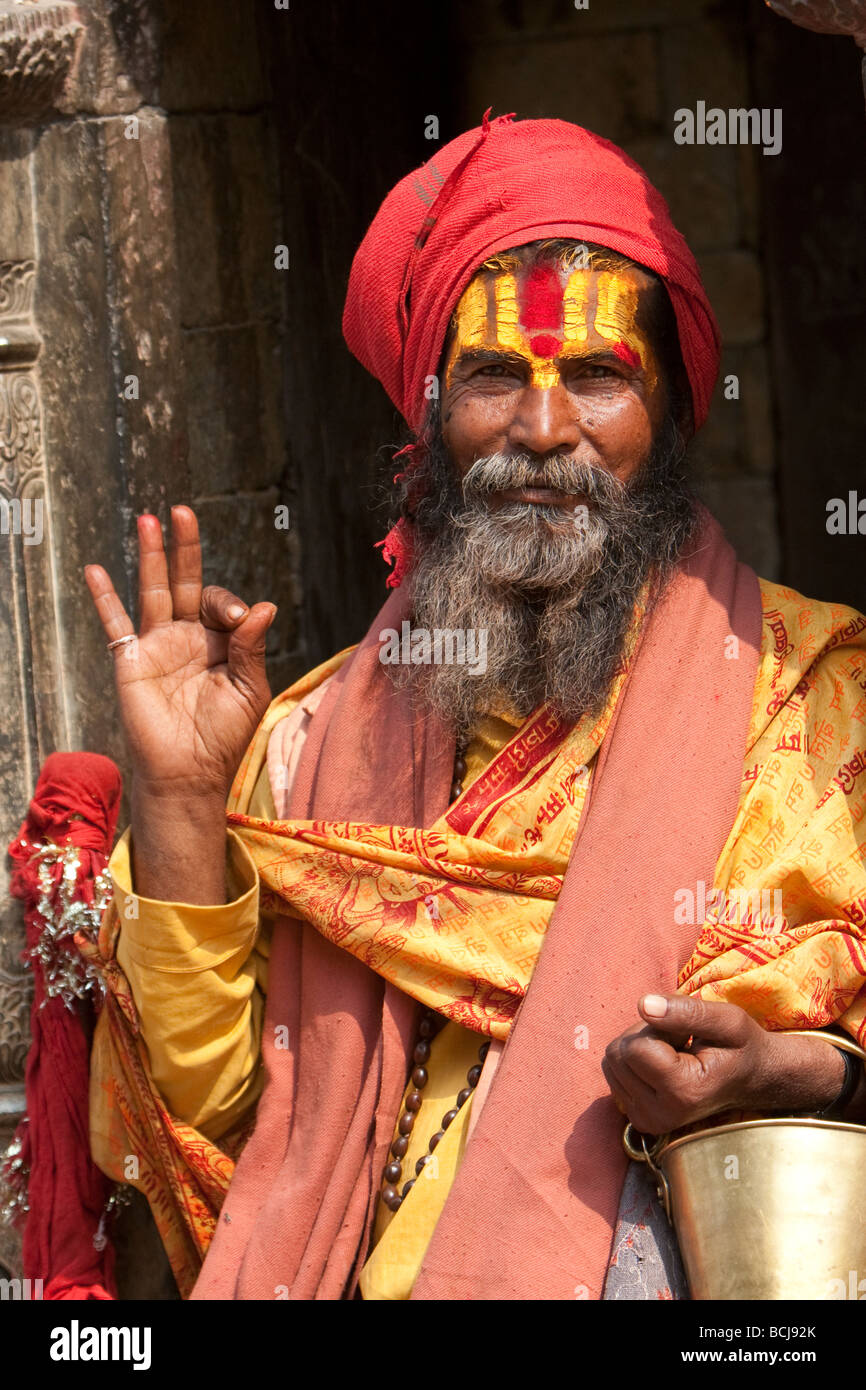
(192, 686)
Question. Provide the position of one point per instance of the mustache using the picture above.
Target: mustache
(501, 472)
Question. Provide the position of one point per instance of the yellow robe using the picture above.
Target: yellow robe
(799, 829)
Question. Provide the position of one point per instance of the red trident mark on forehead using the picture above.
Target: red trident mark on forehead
(541, 308)
(627, 354)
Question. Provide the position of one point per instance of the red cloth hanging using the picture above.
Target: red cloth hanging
(76, 803)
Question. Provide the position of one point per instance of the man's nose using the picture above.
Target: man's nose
(545, 422)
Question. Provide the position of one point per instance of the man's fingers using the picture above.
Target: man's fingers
(246, 653)
(112, 614)
(222, 610)
(185, 564)
(620, 1095)
(633, 1096)
(154, 594)
(644, 1059)
(657, 1064)
(677, 1017)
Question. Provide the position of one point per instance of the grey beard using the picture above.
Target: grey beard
(554, 590)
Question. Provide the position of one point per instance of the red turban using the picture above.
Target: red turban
(494, 187)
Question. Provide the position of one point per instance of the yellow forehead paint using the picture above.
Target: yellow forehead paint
(540, 320)
(472, 314)
(574, 302)
(473, 327)
(616, 319)
(514, 336)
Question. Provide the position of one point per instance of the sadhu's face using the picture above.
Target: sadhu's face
(547, 360)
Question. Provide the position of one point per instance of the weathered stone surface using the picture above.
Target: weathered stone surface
(226, 218)
(19, 348)
(747, 509)
(19, 758)
(735, 286)
(146, 335)
(105, 318)
(756, 397)
(211, 57)
(609, 84)
(342, 144)
(38, 50)
(16, 992)
(737, 436)
(27, 658)
(705, 61)
(79, 392)
(717, 448)
(490, 20)
(748, 182)
(236, 425)
(118, 65)
(29, 724)
(243, 551)
(702, 193)
(17, 231)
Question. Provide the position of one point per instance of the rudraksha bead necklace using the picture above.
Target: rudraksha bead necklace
(459, 774)
(392, 1196)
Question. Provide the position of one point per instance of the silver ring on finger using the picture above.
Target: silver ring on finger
(122, 641)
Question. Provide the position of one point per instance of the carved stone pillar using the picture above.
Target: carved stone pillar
(26, 605)
(38, 45)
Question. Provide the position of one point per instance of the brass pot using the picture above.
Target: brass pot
(768, 1208)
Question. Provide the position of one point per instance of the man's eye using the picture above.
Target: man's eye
(494, 369)
(599, 369)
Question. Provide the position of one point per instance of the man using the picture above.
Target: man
(537, 845)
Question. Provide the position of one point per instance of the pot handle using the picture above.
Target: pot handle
(642, 1153)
